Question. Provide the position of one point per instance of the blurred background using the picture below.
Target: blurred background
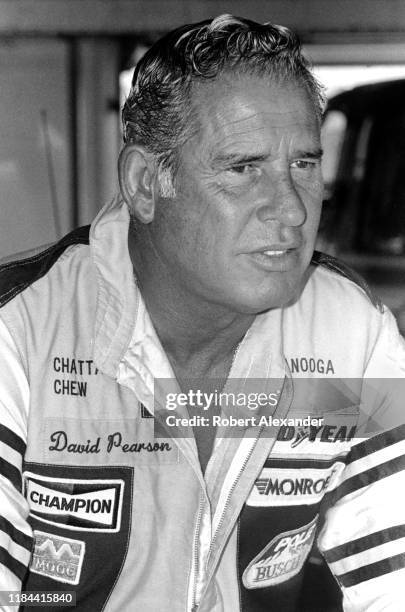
(65, 69)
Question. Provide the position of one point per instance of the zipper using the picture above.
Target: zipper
(194, 605)
(232, 489)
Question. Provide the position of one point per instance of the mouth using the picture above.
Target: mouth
(275, 259)
(275, 252)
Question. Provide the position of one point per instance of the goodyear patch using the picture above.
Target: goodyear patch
(282, 559)
(60, 559)
(334, 437)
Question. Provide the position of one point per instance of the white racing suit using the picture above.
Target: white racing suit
(93, 500)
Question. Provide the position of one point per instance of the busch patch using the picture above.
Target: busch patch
(57, 558)
(282, 559)
(90, 505)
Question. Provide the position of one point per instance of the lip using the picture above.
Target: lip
(275, 257)
(277, 246)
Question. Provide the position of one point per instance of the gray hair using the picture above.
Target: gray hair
(158, 112)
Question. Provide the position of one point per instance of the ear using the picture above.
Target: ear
(136, 171)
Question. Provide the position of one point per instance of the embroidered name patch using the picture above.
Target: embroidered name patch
(282, 559)
(91, 505)
(57, 558)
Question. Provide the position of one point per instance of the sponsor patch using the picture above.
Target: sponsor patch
(81, 505)
(335, 436)
(57, 558)
(293, 487)
(325, 434)
(282, 559)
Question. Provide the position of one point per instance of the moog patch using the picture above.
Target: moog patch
(91, 505)
(282, 559)
(60, 559)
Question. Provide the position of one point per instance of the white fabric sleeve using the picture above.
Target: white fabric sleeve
(15, 532)
(363, 537)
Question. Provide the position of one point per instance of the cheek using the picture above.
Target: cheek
(193, 233)
(311, 194)
(202, 223)
(311, 188)
(172, 234)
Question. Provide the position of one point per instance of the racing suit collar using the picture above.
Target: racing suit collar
(117, 299)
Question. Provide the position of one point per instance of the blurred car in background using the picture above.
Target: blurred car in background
(363, 220)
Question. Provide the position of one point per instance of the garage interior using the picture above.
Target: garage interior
(65, 67)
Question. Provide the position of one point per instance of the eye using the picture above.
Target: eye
(305, 164)
(242, 169)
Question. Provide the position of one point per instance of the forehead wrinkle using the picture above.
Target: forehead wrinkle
(243, 142)
(237, 140)
(257, 120)
(247, 122)
(204, 94)
(233, 111)
(236, 123)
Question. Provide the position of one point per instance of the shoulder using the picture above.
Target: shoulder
(336, 319)
(25, 269)
(343, 282)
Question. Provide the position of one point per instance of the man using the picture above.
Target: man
(200, 278)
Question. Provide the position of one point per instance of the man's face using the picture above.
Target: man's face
(240, 231)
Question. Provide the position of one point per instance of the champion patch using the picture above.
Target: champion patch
(81, 505)
(282, 559)
(60, 559)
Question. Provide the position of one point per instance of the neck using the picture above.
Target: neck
(190, 332)
(189, 328)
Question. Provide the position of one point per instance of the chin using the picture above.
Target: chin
(257, 306)
(257, 300)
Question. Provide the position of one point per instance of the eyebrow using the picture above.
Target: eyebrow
(239, 158)
(314, 154)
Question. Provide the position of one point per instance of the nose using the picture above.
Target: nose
(283, 203)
